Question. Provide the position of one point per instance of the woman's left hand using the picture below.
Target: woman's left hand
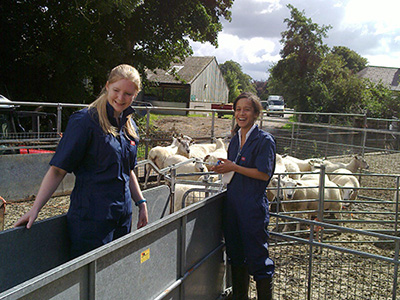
(143, 216)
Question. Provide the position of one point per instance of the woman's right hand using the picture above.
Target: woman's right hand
(28, 219)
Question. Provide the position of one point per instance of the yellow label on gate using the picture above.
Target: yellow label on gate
(145, 255)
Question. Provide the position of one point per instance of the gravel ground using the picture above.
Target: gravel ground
(379, 163)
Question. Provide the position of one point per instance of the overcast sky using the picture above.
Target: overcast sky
(371, 28)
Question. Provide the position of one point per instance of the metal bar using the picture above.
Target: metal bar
(188, 273)
(396, 270)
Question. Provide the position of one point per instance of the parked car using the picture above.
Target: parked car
(275, 105)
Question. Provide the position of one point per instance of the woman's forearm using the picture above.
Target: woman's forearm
(50, 182)
(251, 172)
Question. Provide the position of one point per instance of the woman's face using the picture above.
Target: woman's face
(120, 95)
(244, 113)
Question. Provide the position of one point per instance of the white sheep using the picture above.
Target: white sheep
(291, 167)
(280, 167)
(180, 145)
(196, 166)
(201, 150)
(357, 162)
(303, 164)
(348, 184)
(315, 175)
(191, 197)
(213, 157)
(308, 190)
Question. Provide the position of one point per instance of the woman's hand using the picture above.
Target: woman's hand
(224, 166)
(143, 216)
(28, 218)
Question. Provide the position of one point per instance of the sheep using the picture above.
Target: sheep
(315, 175)
(310, 191)
(348, 184)
(180, 145)
(192, 197)
(279, 164)
(341, 170)
(201, 150)
(190, 167)
(357, 162)
(303, 164)
(292, 167)
(213, 157)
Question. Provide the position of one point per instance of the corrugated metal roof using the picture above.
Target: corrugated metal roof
(388, 76)
(187, 71)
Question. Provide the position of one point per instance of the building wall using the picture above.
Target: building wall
(209, 86)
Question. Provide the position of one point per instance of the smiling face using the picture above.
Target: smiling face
(120, 95)
(245, 114)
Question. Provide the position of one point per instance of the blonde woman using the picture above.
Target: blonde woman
(99, 146)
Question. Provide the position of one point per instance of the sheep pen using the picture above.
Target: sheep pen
(289, 288)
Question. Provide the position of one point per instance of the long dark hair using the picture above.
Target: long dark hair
(255, 101)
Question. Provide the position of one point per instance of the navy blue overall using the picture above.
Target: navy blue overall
(101, 207)
(246, 213)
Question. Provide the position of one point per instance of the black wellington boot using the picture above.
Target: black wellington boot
(264, 289)
(240, 282)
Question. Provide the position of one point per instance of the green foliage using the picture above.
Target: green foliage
(379, 101)
(61, 51)
(353, 61)
(312, 78)
(236, 80)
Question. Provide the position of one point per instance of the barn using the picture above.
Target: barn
(390, 77)
(194, 83)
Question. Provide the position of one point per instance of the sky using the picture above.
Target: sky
(252, 38)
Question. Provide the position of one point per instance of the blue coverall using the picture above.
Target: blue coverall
(101, 206)
(246, 213)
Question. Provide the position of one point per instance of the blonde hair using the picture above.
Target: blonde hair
(100, 104)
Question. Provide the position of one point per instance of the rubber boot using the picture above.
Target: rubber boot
(264, 289)
(240, 282)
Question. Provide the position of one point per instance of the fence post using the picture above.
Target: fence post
(172, 198)
(364, 135)
(310, 260)
(291, 139)
(327, 136)
(397, 205)
(321, 199)
(146, 150)
(396, 270)
(59, 112)
(213, 127)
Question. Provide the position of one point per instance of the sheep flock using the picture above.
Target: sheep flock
(295, 183)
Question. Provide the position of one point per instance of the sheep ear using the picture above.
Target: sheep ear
(299, 183)
(207, 156)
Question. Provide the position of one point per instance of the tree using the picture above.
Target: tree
(62, 50)
(303, 50)
(353, 60)
(261, 88)
(236, 80)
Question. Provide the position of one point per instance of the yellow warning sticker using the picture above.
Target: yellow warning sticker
(145, 255)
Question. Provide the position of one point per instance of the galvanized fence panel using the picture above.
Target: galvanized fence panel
(339, 266)
(376, 207)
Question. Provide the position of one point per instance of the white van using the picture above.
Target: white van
(276, 104)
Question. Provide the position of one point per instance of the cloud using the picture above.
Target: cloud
(252, 38)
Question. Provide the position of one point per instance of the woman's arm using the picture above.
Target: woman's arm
(137, 196)
(49, 184)
(227, 166)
